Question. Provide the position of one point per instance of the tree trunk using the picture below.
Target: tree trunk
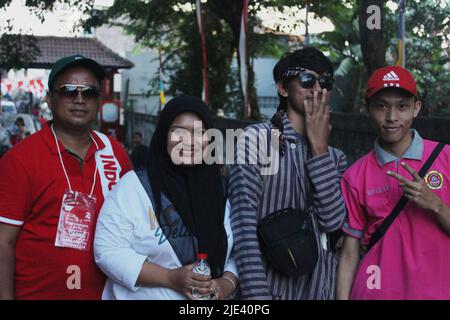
(373, 45)
(254, 106)
(231, 11)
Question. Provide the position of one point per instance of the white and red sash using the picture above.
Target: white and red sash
(109, 168)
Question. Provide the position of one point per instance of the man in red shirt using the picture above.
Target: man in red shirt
(52, 186)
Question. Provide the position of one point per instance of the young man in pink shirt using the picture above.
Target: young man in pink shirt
(412, 259)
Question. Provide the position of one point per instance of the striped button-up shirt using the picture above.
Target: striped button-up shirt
(253, 196)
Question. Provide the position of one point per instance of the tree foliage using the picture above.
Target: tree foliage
(427, 33)
(16, 51)
(355, 50)
(172, 26)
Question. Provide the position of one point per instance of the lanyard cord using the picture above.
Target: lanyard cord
(64, 169)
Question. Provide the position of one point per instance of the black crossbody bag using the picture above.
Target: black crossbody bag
(288, 241)
(381, 230)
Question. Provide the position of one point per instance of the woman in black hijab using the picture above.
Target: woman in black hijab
(189, 207)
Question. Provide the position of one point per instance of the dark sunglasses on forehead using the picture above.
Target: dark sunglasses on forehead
(308, 80)
(71, 91)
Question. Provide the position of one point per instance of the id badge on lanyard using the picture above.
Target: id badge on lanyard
(76, 221)
(77, 213)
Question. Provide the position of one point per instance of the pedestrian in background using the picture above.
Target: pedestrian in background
(18, 132)
(139, 152)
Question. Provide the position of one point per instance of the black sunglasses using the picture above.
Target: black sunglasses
(308, 80)
(71, 91)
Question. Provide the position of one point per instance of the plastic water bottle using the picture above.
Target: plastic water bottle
(201, 267)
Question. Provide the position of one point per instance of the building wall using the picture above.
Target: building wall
(138, 81)
(146, 68)
(265, 86)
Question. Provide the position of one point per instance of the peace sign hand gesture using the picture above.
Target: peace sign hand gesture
(417, 190)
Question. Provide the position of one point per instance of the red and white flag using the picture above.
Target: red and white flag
(35, 86)
(4, 87)
(201, 28)
(243, 55)
(41, 85)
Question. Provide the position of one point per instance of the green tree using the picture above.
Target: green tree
(427, 31)
(354, 49)
(173, 26)
(17, 50)
(427, 52)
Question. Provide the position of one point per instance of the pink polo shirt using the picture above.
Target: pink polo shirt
(412, 260)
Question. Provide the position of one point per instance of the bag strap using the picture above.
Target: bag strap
(381, 230)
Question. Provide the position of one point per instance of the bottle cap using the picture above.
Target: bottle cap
(202, 256)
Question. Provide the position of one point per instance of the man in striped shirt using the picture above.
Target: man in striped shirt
(307, 167)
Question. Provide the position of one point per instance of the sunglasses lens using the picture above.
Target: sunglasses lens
(71, 91)
(307, 80)
(68, 91)
(326, 82)
(90, 92)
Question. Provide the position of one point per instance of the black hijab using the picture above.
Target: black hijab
(196, 192)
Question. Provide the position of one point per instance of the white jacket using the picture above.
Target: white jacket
(127, 235)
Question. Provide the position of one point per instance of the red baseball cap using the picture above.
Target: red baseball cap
(391, 77)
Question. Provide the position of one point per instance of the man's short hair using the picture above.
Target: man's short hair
(138, 133)
(309, 58)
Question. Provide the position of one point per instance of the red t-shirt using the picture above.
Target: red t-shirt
(32, 184)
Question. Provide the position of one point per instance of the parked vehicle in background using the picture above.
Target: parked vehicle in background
(5, 144)
(7, 107)
(8, 121)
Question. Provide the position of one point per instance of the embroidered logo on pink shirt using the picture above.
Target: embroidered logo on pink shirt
(434, 179)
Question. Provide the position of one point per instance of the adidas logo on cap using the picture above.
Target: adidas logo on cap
(391, 76)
